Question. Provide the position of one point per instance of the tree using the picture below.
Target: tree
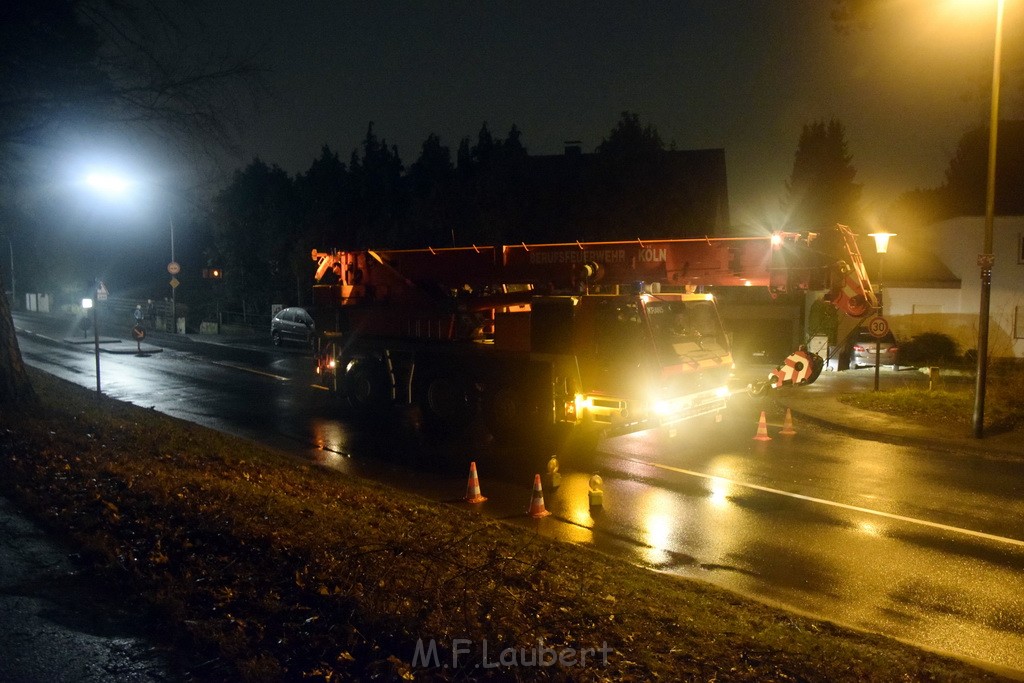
(256, 225)
(967, 173)
(849, 14)
(631, 182)
(962, 193)
(83, 69)
(323, 193)
(432, 185)
(377, 202)
(821, 190)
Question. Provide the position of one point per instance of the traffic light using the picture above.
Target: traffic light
(213, 273)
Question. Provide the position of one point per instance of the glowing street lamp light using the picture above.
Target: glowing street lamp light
(882, 241)
(114, 185)
(986, 258)
(107, 183)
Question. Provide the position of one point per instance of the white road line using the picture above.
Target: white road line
(253, 371)
(832, 503)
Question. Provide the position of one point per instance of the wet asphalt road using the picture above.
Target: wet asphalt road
(922, 544)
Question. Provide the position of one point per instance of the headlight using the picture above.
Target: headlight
(662, 407)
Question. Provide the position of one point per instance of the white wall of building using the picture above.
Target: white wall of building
(957, 243)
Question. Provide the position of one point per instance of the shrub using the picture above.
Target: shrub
(928, 348)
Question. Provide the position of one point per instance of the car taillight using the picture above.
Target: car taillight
(858, 347)
(894, 349)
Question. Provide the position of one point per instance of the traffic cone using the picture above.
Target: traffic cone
(537, 502)
(473, 486)
(762, 430)
(787, 424)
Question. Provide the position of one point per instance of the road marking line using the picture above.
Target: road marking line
(255, 372)
(845, 506)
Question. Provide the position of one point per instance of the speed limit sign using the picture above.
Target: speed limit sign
(878, 327)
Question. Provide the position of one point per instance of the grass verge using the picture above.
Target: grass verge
(952, 402)
(281, 570)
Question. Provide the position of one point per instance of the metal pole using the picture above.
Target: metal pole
(96, 338)
(174, 305)
(986, 258)
(878, 340)
(14, 290)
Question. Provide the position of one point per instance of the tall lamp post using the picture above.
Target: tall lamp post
(881, 248)
(986, 258)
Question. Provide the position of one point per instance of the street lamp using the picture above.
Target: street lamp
(986, 258)
(115, 185)
(881, 248)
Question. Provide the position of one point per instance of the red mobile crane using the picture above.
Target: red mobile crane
(594, 336)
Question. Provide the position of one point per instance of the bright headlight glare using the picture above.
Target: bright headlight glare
(723, 392)
(662, 407)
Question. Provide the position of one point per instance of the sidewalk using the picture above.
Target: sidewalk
(819, 403)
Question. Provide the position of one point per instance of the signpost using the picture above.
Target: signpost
(173, 268)
(139, 334)
(878, 327)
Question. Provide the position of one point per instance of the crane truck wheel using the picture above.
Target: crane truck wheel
(504, 411)
(448, 403)
(365, 386)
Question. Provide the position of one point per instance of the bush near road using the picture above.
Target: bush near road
(276, 569)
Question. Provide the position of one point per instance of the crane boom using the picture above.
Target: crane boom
(782, 262)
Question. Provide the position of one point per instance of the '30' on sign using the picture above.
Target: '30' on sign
(878, 326)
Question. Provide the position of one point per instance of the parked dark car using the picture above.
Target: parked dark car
(293, 325)
(863, 350)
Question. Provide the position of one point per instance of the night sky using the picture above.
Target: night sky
(743, 75)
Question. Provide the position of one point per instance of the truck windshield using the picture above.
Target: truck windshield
(685, 330)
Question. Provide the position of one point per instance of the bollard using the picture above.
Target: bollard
(554, 476)
(596, 494)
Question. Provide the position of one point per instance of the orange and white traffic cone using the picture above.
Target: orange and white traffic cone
(787, 424)
(762, 429)
(537, 501)
(473, 486)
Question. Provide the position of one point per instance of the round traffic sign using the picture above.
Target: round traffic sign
(173, 268)
(878, 327)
